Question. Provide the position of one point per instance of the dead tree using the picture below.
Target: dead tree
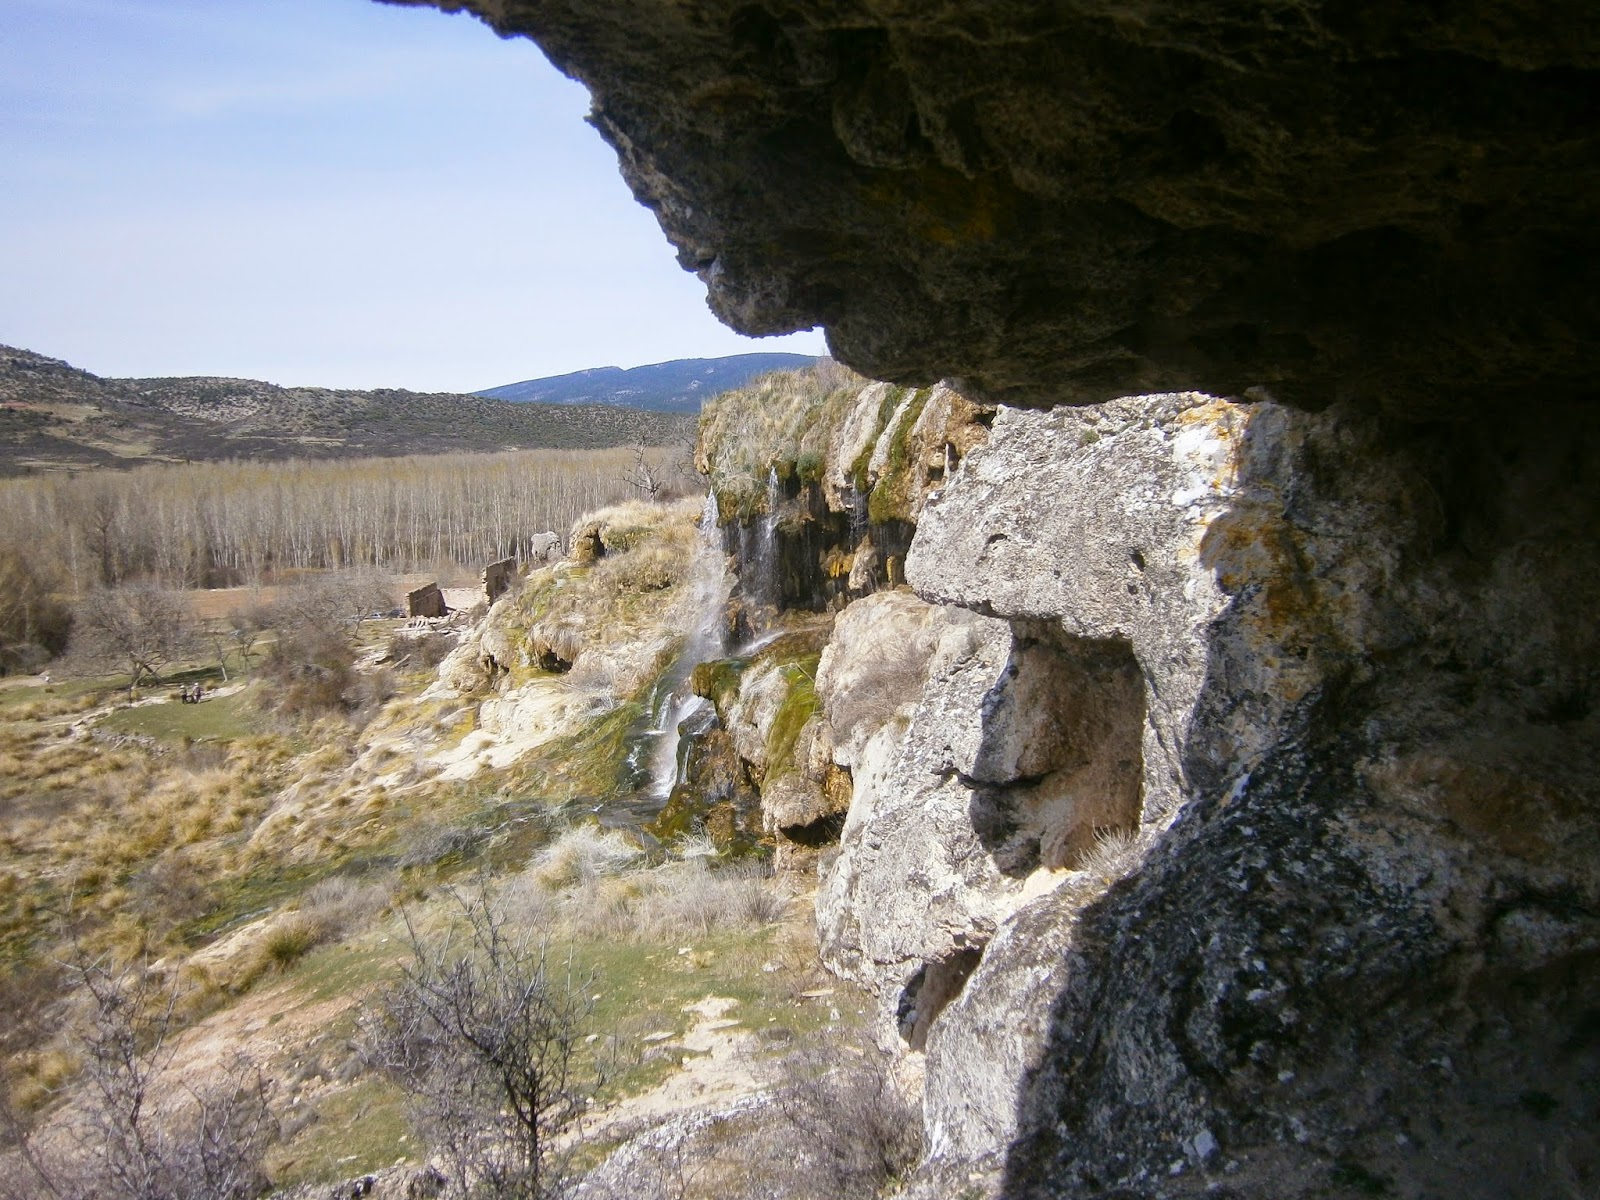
(485, 1037)
(134, 1133)
(644, 477)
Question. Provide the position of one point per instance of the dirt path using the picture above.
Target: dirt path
(719, 1066)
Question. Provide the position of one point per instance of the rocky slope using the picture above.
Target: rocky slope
(53, 416)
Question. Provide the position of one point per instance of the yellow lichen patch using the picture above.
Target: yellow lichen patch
(1511, 810)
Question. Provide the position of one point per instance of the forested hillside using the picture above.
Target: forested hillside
(55, 416)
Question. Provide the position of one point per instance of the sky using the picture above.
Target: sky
(320, 192)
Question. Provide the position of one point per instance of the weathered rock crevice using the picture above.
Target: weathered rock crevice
(1061, 759)
(928, 992)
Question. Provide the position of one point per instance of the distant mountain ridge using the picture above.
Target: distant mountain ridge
(678, 386)
(55, 416)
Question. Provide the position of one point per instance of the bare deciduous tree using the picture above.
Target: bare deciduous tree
(349, 596)
(227, 522)
(246, 627)
(486, 1038)
(135, 1134)
(33, 623)
(644, 476)
(139, 629)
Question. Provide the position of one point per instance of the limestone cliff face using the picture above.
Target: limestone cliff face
(1072, 202)
(820, 477)
(1355, 940)
(1220, 802)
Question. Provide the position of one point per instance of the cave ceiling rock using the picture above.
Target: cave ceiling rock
(1070, 202)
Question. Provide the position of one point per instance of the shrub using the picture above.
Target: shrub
(852, 1126)
(485, 1037)
(209, 1140)
(842, 1129)
(1114, 853)
(693, 896)
(582, 854)
(590, 882)
(291, 937)
(340, 904)
(313, 668)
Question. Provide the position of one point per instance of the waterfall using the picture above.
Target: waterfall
(674, 702)
(762, 587)
(856, 503)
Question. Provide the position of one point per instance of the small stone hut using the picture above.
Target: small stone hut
(497, 577)
(426, 601)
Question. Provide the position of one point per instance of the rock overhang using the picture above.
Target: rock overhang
(1066, 203)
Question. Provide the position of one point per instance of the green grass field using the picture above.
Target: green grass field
(219, 720)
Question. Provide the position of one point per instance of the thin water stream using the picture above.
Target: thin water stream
(655, 758)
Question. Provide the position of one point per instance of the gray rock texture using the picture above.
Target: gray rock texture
(911, 886)
(1357, 945)
(1081, 201)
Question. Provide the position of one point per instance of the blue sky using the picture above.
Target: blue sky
(330, 192)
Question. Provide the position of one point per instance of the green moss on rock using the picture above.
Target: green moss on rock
(718, 681)
(892, 496)
(799, 705)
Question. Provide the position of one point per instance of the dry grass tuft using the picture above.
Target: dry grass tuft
(582, 855)
(591, 884)
(1115, 852)
(291, 938)
(342, 905)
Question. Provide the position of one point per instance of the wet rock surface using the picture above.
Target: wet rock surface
(1073, 202)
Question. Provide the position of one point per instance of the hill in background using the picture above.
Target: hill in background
(54, 416)
(671, 387)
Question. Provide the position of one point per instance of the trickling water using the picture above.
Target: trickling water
(757, 643)
(762, 569)
(856, 503)
(673, 701)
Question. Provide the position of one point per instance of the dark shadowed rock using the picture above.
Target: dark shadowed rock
(1072, 202)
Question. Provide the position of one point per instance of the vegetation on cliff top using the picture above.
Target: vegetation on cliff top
(784, 423)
